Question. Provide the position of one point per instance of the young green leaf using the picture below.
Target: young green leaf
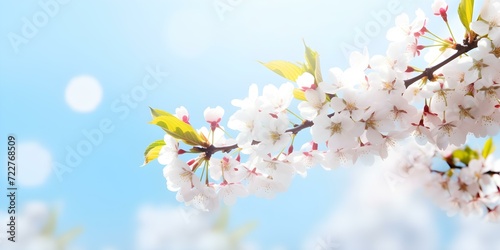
(317, 72)
(158, 112)
(461, 155)
(312, 63)
(153, 151)
(488, 148)
(465, 155)
(310, 55)
(285, 69)
(179, 129)
(465, 10)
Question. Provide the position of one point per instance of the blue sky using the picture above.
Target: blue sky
(203, 57)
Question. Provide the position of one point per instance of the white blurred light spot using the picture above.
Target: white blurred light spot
(83, 93)
(190, 32)
(33, 165)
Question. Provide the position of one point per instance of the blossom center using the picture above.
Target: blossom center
(275, 136)
(335, 128)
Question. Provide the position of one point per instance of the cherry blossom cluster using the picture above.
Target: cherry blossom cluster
(359, 113)
(465, 182)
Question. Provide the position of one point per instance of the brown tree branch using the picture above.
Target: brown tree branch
(429, 72)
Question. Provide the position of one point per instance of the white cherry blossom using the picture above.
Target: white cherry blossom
(227, 169)
(170, 151)
(339, 131)
(275, 99)
(229, 192)
(490, 19)
(265, 187)
(182, 113)
(314, 105)
(213, 116)
(404, 28)
(356, 115)
(440, 8)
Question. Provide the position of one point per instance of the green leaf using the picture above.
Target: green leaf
(178, 129)
(299, 94)
(317, 72)
(488, 148)
(285, 69)
(310, 55)
(465, 155)
(472, 153)
(465, 10)
(152, 151)
(158, 112)
(312, 64)
(461, 155)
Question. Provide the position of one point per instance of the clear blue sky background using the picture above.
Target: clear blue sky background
(211, 59)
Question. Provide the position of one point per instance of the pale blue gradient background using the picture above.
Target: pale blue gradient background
(210, 62)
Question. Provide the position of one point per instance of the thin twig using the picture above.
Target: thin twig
(429, 72)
